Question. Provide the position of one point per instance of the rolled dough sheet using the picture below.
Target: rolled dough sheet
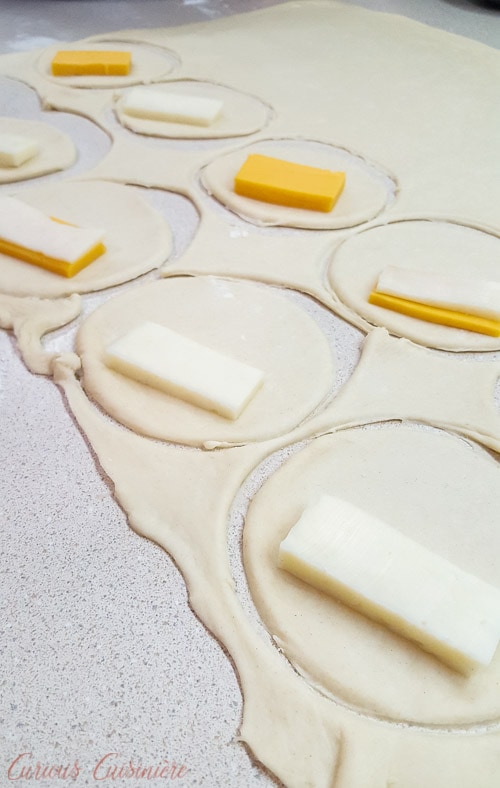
(57, 151)
(241, 114)
(248, 322)
(395, 471)
(137, 238)
(360, 102)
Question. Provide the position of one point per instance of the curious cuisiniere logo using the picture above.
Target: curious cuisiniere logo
(112, 766)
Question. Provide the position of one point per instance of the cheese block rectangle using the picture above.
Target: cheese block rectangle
(15, 149)
(171, 107)
(177, 365)
(73, 62)
(435, 314)
(286, 183)
(29, 235)
(460, 294)
(388, 577)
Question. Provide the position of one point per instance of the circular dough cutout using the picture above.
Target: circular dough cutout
(137, 238)
(148, 64)
(438, 246)
(241, 114)
(364, 196)
(436, 489)
(245, 321)
(56, 150)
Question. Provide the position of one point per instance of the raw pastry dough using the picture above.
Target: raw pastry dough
(137, 238)
(365, 192)
(396, 379)
(357, 82)
(241, 114)
(434, 488)
(57, 151)
(245, 321)
(148, 65)
(446, 248)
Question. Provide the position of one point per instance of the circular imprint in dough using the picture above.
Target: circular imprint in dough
(439, 246)
(57, 151)
(148, 64)
(435, 488)
(241, 114)
(137, 238)
(365, 193)
(248, 322)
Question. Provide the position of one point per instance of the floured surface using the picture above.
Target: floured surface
(362, 101)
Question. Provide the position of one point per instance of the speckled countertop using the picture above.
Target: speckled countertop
(100, 652)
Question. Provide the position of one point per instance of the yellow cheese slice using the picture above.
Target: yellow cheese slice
(435, 314)
(286, 183)
(381, 573)
(73, 62)
(59, 247)
(460, 294)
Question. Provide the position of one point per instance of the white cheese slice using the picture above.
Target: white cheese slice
(388, 577)
(171, 107)
(16, 149)
(25, 226)
(166, 360)
(471, 296)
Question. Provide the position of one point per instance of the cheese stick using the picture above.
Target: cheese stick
(166, 360)
(436, 314)
(286, 183)
(460, 294)
(16, 149)
(171, 107)
(29, 235)
(73, 62)
(388, 577)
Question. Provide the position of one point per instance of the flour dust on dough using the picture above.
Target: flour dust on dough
(364, 196)
(248, 322)
(137, 238)
(433, 487)
(241, 114)
(148, 65)
(441, 247)
(56, 152)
